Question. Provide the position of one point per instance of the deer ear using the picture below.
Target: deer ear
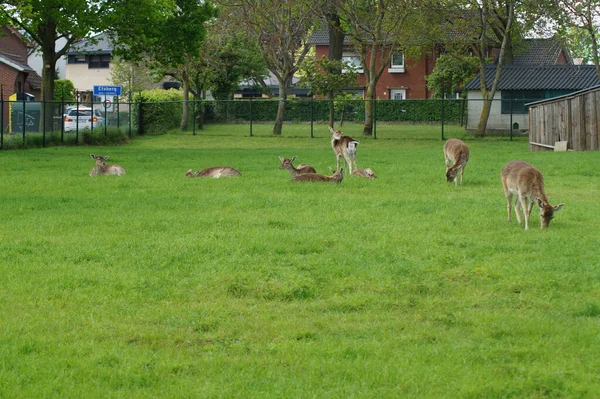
(106, 157)
(293, 159)
(558, 207)
(540, 203)
(93, 156)
(281, 158)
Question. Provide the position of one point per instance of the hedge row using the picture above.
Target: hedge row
(162, 110)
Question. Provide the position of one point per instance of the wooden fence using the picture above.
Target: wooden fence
(573, 119)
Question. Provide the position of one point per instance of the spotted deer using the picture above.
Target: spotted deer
(215, 172)
(527, 183)
(367, 173)
(102, 169)
(301, 169)
(336, 177)
(456, 154)
(344, 146)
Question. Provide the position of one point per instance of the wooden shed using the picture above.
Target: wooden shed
(573, 119)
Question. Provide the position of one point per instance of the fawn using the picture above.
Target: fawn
(301, 169)
(214, 172)
(102, 168)
(343, 146)
(336, 177)
(367, 173)
(457, 153)
(527, 183)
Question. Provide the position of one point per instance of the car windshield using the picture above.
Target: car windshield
(81, 112)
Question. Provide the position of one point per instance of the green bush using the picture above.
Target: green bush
(161, 110)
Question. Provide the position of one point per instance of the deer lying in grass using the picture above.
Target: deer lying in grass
(301, 169)
(336, 177)
(102, 169)
(527, 183)
(214, 172)
(366, 173)
(344, 146)
(456, 153)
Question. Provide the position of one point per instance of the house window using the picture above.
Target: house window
(353, 59)
(398, 94)
(397, 62)
(77, 59)
(99, 61)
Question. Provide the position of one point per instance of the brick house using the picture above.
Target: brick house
(16, 76)
(403, 79)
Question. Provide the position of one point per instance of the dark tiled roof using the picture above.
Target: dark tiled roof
(15, 61)
(547, 77)
(540, 52)
(321, 37)
(100, 44)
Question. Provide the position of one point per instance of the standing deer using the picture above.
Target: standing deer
(456, 153)
(367, 173)
(301, 169)
(336, 177)
(527, 183)
(102, 168)
(343, 146)
(214, 172)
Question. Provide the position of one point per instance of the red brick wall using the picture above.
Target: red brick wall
(413, 78)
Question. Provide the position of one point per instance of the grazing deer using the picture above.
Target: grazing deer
(214, 172)
(367, 173)
(527, 183)
(301, 169)
(457, 153)
(103, 169)
(336, 177)
(344, 146)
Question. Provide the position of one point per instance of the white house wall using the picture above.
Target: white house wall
(84, 78)
(497, 120)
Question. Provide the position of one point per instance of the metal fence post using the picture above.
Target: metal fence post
(24, 119)
(77, 119)
(511, 119)
(250, 116)
(43, 117)
(312, 102)
(129, 113)
(443, 98)
(194, 117)
(1, 118)
(374, 119)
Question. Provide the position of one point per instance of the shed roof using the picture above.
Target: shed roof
(544, 77)
(99, 44)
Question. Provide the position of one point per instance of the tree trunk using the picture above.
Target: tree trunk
(186, 96)
(281, 108)
(336, 37)
(483, 118)
(48, 71)
(369, 108)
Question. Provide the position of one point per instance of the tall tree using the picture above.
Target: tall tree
(132, 76)
(581, 15)
(169, 34)
(45, 21)
(282, 29)
(378, 29)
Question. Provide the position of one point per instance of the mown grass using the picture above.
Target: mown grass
(153, 285)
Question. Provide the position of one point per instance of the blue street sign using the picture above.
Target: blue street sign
(107, 90)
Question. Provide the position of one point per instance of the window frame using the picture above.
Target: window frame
(397, 68)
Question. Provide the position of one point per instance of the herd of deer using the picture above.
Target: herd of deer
(518, 178)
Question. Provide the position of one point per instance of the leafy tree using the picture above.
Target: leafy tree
(132, 76)
(64, 90)
(378, 29)
(450, 74)
(45, 21)
(282, 29)
(581, 16)
(169, 34)
(323, 77)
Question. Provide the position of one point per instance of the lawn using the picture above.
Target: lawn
(154, 285)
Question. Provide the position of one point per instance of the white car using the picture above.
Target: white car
(85, 117)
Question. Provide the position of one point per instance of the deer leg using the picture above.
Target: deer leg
(338, 161)
(447, 163)
(462, 174)
(525, 208)
(509, 205)
(348, 163)
(517, 210)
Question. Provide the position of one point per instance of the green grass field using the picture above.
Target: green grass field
(153, 285)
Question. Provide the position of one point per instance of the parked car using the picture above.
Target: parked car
(83, 118)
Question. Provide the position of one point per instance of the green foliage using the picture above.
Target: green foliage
(161, 109)
(64, 90)
(327, 77)
(131, 75)
(450, 74)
